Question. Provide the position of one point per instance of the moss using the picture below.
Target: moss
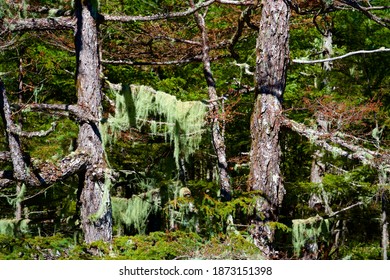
(155, 246)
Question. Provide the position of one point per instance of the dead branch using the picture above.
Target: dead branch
(381, 21)
(73, 111)
(39, 24)
(189, 11)
(303, 61)
(332, 143)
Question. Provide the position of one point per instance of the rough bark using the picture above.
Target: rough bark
(218, 139)
(19, 164)
(271, 64)
(94, 196)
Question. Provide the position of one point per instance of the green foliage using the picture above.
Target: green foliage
(361, 251)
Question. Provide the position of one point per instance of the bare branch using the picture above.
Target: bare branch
(238, 3)
(345, 209)
(74, 111)
(171, 62)
(244, 18)
(366, 12)
(364, 155)
(189, 11)
(177, 40)
(40, 24)
(49, 173)
(8, 44)
(303, 61)
(377, 8)
(16, 130)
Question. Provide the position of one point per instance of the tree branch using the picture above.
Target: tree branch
(303, 61)
(344, 209)
(367, 13)
(47, 173)
(39, 24)
(196, 58)
(364, 155)
(20, 166)
(74, 111)
(189, 11)
(16, 130)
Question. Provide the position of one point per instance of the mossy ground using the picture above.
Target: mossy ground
(154, 246)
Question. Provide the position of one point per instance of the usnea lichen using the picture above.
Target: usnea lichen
(180, 122)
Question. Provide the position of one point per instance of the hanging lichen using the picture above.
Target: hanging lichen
(179, 122)
(19, 197)
(11, 226)
(134, 212)
(308, 231)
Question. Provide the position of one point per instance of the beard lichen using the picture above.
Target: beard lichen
(180, 122)
(308, 231)
(135, 211)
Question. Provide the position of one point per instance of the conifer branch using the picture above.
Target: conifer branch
(303, 61)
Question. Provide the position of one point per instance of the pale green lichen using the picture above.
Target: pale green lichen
(179, 122)
(308, 231)
(135, 211)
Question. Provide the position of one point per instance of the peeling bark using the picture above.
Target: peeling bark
(271, 64)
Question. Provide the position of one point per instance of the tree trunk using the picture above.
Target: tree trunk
(95, 202)
(218, 138)
(271, 64)
(383, 181)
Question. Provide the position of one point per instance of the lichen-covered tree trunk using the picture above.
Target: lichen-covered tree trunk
(95, 210)
(271, 64)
